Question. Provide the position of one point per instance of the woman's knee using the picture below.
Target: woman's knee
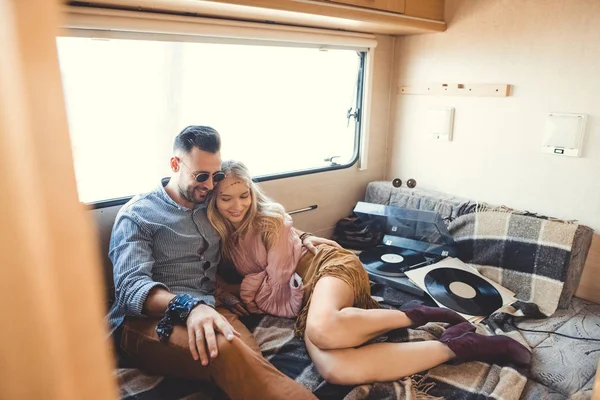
(322, 333)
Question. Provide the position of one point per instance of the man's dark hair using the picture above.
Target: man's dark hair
(203, 137)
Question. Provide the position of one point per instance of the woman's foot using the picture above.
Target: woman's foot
(458, 330)
(471, 346)
(420, 314)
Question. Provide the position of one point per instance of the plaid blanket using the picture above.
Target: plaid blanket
(474, 380)
(527, 255)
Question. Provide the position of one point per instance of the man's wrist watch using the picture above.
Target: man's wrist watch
(181, 306)
(177, 312)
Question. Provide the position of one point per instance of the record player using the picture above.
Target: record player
(411, 239)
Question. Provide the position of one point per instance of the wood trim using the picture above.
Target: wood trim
(395, 6)
(54, 341)
(458, 89)
(430, 9)
(589, 285)
(83, 21)
(289, 12)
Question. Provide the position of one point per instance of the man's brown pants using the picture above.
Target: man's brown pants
(239, 370)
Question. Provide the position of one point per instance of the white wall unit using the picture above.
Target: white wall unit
(564, 134)
(441, 123)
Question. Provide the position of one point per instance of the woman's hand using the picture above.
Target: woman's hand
(232, 303)
(311, 243)
(239, 309)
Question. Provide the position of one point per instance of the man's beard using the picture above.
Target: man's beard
(189, 195)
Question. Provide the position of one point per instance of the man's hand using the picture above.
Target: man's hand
(310, 242)
(201, 324)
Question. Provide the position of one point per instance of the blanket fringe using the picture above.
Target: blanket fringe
(422, 387)
(485, 207)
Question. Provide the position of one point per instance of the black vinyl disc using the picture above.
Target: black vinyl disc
(389, 261)
(479, 297)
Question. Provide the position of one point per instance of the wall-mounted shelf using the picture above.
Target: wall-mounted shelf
(418, 16)
(458, 89)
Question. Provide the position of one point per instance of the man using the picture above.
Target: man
(165, 255)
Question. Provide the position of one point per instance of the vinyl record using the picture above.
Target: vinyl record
(463, 291)
(389, 261)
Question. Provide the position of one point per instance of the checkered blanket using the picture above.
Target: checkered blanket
(474, 380)
(527, 255)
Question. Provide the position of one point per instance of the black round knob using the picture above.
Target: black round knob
(397, 182)
(411, 183)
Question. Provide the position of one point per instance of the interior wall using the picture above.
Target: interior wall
(336, 192)
(549, 51)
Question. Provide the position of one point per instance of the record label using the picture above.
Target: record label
(462, 291)
(392, 258)
(390, 261)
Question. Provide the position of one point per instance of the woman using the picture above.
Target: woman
(329, 292)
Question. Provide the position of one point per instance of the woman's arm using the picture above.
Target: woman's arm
(311, 241)
(228, 295)
(277, 290)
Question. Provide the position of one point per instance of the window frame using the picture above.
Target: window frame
(97, 23)
(263, 178)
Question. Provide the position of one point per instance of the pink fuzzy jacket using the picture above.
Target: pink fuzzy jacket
(270, 283)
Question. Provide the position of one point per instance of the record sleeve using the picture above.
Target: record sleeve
(442, 283)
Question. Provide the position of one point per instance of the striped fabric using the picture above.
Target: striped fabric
(157, 242)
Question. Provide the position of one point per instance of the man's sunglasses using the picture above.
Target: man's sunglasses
(203, 176)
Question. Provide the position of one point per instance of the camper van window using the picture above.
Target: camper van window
(281, 110)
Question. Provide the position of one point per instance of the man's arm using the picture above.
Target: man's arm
(136, 292)
(132, 259)
(157, 301)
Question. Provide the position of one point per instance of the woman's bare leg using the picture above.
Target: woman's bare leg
(378, 362)
(334, 327)
(333, 323)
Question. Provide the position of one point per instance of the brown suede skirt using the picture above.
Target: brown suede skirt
(338, 263)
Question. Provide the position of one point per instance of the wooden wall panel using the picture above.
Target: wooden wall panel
(589, 285)
(54, 339)
(430, 9)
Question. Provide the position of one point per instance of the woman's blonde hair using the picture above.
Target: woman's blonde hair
(264, 215)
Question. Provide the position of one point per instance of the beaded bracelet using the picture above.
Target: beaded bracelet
(177, 312)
